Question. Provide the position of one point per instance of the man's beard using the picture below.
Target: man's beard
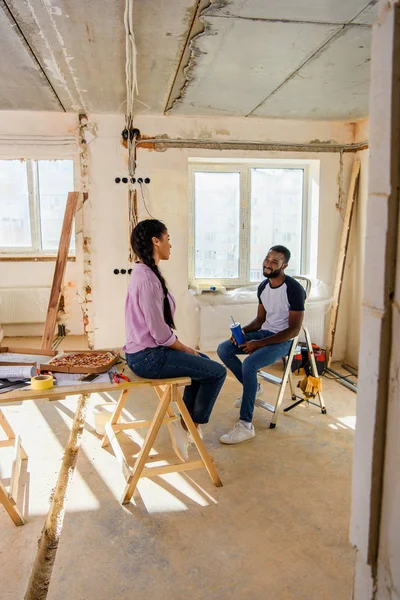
(272, 274)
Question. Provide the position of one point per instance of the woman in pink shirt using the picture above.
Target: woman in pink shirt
(152, 348)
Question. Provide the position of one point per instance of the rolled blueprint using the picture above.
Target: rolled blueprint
(17, 372)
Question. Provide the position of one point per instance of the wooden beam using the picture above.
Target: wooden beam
(9, 500)
(115, 416)
(119, 453)
(344, 242)
(5, 425)
(139, 424)
(19, 455)
(9, 505)
(205, 457)
(147, 446)
(165, 469)
(59, 270)
(39, 580)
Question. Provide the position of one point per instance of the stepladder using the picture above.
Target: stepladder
(287, 373)
(9, 498)
(288, 378)
(167, 392)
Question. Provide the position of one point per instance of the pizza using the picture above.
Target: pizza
(86, 360)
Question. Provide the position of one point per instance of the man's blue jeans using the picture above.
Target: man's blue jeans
(246, 371)
(207, 376)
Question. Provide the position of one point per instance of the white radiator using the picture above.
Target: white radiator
(23, 305)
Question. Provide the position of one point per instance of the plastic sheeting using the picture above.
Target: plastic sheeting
(215, 311)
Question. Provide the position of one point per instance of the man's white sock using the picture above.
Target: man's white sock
(246, 424)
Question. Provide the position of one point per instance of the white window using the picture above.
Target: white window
(239, 210)
(33, 195)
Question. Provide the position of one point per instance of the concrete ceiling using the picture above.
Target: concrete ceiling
(264, 58)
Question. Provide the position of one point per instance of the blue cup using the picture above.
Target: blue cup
(237, 333)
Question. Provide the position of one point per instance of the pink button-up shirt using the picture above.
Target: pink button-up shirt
(144, 312)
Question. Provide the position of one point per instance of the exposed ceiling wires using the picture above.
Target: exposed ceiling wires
(131, 90)
(131, 83)
(130, 66)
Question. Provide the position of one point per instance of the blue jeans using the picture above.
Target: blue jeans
(246, 371)
(207, 376)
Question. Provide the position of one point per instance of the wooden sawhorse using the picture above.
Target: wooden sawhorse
(167, 391)
(9, 499)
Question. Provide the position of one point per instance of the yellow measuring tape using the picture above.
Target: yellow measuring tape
(42, 382)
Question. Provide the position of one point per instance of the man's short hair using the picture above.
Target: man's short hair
(282, 250)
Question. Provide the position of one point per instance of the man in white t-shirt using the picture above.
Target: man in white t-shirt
(268, 337)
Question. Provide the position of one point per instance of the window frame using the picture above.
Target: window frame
(244, 167)
(34, 211)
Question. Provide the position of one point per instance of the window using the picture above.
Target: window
(33, 195)
(239, 210)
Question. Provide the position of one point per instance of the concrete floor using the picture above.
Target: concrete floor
(277, 529)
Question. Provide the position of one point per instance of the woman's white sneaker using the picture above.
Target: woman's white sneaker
(260, 391)
(239, 433)
(199, 431)
(180, 439)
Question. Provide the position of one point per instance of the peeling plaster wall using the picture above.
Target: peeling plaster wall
(40, 274)
(167, 199)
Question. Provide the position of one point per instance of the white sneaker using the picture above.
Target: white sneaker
(180, 439)
(260, 391)
(239, 433)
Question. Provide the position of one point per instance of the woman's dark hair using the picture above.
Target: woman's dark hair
(142, 245)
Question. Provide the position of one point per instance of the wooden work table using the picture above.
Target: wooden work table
(167, 392)
(58, 392)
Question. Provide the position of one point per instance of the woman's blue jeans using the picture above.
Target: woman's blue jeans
(163, 362)
(246, 371)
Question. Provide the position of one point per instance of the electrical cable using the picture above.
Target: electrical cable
(144, 201)
(131, 83)
(336, 377)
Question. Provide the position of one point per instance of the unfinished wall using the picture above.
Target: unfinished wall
(375, 522)
(37, 135)
(167, 198)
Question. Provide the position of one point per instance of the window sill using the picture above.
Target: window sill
(32, 258)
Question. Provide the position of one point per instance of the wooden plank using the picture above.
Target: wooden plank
(18, 350)
(10, 506)
(147, 446)
(139, 424)
(344, 242)
(5, 425)
(159, 390)
(115, 416)
(59, 270)
(87, 388)
(163, 470)
(6, 443)
(212, 471)
(9, 500)
(120, 456)
(16, 469)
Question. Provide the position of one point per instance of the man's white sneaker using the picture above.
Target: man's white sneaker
(239, 433)
(180, 439)
(260, 391)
